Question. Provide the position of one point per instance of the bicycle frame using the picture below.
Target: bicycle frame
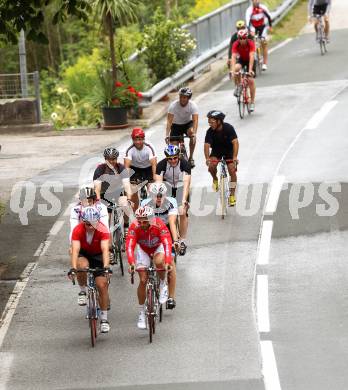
(243, 99)
(321, 33)
(259, 54)
(223, 186)
(117, 232)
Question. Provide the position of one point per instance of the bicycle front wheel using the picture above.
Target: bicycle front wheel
(92, 315)
(241, 106)
(248, 99)
(223, 196)
(150, 312)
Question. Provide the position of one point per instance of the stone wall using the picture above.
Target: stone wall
(18, 111)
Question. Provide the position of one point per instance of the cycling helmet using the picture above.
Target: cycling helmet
(215, 114)
(90, 214)
(158, 189)
(240, 24)
(243, 34)
(138, 133)
(87, 193)
(111, 153)
(171, 150)
(144, 212)
(185, 91)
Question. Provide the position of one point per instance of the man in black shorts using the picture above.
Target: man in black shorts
(222, 139)
(182, 119)
(111, 179)
(320, 7)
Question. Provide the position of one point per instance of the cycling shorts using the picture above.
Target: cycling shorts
(142, 259)
(320, 9)
(94, 261)
(261, 31)
(245, 65)
(141, 174)
(179, 130)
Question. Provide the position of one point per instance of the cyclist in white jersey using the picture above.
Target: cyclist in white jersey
(165, 208)
(177, 172)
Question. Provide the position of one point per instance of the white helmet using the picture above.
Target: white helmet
(158, 189)
(90, 214)
(144, 212)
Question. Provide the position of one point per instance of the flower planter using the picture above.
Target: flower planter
(115, 118)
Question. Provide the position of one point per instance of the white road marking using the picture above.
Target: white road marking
(6, 360)
(262, 304)
(67, 211)
(265, 243)
(12, 302)
(272, 200)
(56, 228)
(314, 122)
(280, 45)
(41, 250)
(269, 366)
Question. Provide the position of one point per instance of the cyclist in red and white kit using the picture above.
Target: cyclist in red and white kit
(148, 237)
(259, 21)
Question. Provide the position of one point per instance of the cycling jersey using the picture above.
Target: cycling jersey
(320, 7)
(149, 240)
(75, 215)
(90, 244)
(110, 184)
(173, 175)
(182, 115)
(257, 16)
(235, 38)
(140, 158)
(244, 50)
(169, 207)
(220, 141)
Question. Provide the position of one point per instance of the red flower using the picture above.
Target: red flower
(140, 95)
(131, 89)
(118, 84)
(115, 101)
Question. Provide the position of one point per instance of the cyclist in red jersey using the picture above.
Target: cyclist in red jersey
(148, 237)
(90, 248)
(243, 52)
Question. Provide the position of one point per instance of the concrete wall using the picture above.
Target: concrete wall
(18, 111)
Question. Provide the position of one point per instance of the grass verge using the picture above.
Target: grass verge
(2, 210)
(292, 24)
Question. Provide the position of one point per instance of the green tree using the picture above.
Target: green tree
(113, 13)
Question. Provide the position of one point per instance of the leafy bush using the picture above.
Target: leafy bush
(166, 47)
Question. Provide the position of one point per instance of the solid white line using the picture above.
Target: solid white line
(273, 197)
(6, 360)
(262, 304)
(41, 250)
(67, 210)
(269, 366)
(56, 228)
(280, 45)
(265, 243)
(12, 302)
(314, 122)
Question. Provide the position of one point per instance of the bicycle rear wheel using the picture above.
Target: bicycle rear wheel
(247, 99)
(241, 106)
(119, 244)
(92, 315)
(259, 62)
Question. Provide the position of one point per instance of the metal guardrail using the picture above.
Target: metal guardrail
(213, 33)
(11, 87)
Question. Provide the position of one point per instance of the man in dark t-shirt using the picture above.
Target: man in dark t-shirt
(221, 141)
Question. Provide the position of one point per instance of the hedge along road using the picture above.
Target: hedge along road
(211, 339)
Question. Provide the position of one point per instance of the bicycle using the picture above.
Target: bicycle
(244, 97)
(92, 301)
(321, 34)
(142, 191)
(118, 239)
(153, 309)
(258, 55)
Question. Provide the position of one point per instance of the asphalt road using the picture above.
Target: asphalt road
(211, 340)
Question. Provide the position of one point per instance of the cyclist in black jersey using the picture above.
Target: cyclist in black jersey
(177, 172)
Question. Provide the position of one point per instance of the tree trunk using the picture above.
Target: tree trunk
(112, 47)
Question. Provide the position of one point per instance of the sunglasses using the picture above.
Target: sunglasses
(143, 222)
(172, 158)
(138, 139)
(88, 224)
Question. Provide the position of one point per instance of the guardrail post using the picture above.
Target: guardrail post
(37, 95)
(23, 64)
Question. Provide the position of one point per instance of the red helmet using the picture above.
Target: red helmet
(243, 34)
(138, 132)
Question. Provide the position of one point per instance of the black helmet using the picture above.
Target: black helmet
(216, 114)
(87, 193)
(111, 153)
(185, 91)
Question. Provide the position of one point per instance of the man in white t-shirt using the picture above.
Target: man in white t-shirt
(141, 160)
(182, 118)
